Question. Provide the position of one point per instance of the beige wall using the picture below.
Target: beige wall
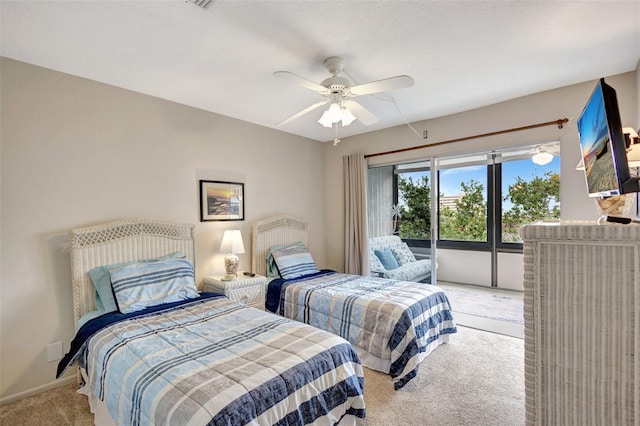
(541, 107)
(76, 152)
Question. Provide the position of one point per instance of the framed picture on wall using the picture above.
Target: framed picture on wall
(221, 200)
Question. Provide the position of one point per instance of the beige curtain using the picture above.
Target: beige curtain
(356, 242)
(380, 201)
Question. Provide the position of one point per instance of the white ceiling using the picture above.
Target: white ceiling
(462, 55)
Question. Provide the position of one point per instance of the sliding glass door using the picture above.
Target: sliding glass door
(481, 201)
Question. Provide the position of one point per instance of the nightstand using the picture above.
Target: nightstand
(244, 289)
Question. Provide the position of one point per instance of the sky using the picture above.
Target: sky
(450, 179)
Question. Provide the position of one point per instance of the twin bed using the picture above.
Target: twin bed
(196, 359)
(393, 325)
(151, 349)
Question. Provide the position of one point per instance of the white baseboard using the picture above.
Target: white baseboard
(39, 389)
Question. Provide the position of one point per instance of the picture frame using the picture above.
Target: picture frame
(221, 201)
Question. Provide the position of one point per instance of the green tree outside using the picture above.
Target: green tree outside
(415, 208)
(531, 202)
(468, 221)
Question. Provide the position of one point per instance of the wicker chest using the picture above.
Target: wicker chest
(244, 289)
(581, 323)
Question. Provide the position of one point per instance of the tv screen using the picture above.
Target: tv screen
(603, 145)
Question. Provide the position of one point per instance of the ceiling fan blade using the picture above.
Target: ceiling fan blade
(303, 112)
(385, 85)
(364, 115)
(302, 81)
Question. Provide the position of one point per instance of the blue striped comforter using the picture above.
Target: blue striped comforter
(397, 322)
(217, 362)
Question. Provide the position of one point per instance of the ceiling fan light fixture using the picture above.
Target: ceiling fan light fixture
(331, 115)
(336, 113)
(325, 121)
(542, 157)
(347, 116)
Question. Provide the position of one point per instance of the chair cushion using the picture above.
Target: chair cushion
(417, 270)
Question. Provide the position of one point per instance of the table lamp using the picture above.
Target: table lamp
(231, 244)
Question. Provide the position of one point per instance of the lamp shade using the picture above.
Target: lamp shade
(347, 117)
(232, 242)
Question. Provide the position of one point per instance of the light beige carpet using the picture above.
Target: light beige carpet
(59, 407)
(475, 379)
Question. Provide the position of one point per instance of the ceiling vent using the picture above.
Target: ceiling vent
(200, 3)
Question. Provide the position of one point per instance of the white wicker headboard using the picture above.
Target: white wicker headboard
(122, 241)
(272, 231)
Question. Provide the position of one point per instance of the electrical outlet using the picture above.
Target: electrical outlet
(54, 351)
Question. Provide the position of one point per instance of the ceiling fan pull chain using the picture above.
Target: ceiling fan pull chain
(336, 140)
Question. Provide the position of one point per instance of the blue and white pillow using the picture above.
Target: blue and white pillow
(140, 285)
(403, 254)
(272, 268)
(294, 261)
(102, 281)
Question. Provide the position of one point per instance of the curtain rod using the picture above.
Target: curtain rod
(560, 122)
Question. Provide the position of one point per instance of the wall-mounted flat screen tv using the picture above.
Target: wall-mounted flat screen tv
(603, 145)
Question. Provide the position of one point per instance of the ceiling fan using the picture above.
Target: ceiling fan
(337, 94)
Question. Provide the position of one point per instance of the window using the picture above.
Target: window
(483, 199)
(462, 203)
(530, 193)
(413, 201)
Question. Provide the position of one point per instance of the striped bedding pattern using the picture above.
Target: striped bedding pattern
(398, 321)
(294, 261)
(140, 285)
(218, 362)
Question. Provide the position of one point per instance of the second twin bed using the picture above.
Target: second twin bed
(393, 325)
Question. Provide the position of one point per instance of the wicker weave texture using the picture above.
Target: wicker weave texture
(250, 291)
(582, 324)
(122, 241)
(272, 231)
